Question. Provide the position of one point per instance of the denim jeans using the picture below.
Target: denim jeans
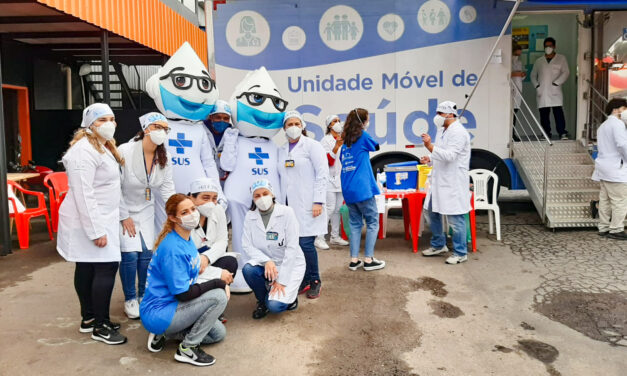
(196, 321)
(253, 274)
(357, 212)
(311, 258)
(134, 263)
(457, 222)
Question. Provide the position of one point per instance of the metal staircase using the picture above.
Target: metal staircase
(556, 173)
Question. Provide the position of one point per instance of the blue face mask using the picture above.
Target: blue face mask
(184, 108)
(261, 119)
(220, 126)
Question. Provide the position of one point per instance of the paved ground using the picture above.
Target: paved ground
(538, 303)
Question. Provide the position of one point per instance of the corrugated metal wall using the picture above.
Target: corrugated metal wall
(149, 22)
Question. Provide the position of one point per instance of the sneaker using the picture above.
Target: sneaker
(564, 136)
(87, 326)
(131, 308)
(193, 355)
(293, 306)
(260, 312)
(604, 233)
(222, 319)
(320, 243)
(618, 235)
(434, 252)
(155, 342)
(455, 259)
(304, 287)
(108, 335)
(374, 265)
(314, 290)
(339, 241)
(355, 265)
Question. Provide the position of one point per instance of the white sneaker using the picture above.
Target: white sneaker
(433, 252)
(455, 259)
(339, 241)
(320, 243)
(374, 264)
(131, 308)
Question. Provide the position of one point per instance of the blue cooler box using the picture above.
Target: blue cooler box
(403, 175)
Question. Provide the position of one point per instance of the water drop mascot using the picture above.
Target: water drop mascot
(185, 93)
(249, 154)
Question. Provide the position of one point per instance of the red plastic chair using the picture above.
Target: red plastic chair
(57, 185)
(22, 220)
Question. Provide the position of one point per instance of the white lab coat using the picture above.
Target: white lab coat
(612, 146)
(284, 251)
(335, 184)
(450, 185)
(216, 238)
(517, 66)
(91, 208)
(133, 203)
(550, 76)
(305, 183)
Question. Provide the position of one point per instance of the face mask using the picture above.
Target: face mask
(366, 124)
(106, 130)
(337, 127)
(548, 50)
(220, 126)
(190, 221)
(623, 116)
(206, 208)
(158, 137)
(439, 120)
(294, 132)
(264, 203)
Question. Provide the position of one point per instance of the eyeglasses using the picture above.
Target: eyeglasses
(184, 81)
(162, 128)
(257, 99)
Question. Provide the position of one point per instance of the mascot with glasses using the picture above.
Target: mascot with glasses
(185, 93)
(249, 154)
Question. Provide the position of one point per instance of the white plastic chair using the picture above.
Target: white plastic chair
(392, 203)
(480, 179)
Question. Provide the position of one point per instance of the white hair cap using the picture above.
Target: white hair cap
(447, 107)
(261, 183)
(330, 118)
(294, 114)
(221, 107)
(93, 112)
(151, 118)
(203, 185)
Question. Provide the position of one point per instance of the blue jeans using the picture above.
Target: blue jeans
(311, 258)
(196, 321)
(253, 274)
(134, 263)
(357, 212)
(457, 222)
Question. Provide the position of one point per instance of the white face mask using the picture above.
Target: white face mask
(294, 132)
(206, 209)
(548, 50)
(264, 203)
(623, 116)
(338, 127)
(190, 221)
(106, 130)
(158, 137)
(366, 124)
(439, 120)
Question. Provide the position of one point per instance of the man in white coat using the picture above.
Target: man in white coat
(548, 75)
(610, 170)
(449, 192)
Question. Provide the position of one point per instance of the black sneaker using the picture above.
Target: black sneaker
(222, 319)
(618, 235)
(108, 335)
(355, 265)
(314, 290)
(193, 355)
(155, 342)
(293, 306)
(374, 265)
(603, 233)
(304, 287)
(87, 326)
(260, 312)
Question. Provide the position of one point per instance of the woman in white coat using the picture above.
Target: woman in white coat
(147, 172)
(89, 220)
(332, 143)
(304, 174)
(276, 264)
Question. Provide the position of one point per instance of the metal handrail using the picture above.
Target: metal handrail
(598, 93)
(522, 100)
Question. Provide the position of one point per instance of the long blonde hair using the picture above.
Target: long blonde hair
(171, 207)
(93, 140)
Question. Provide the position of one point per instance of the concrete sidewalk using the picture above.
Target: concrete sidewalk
(416, 316)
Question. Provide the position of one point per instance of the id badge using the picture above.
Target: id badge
(148, 194)
(271, 235)
(289, 163)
